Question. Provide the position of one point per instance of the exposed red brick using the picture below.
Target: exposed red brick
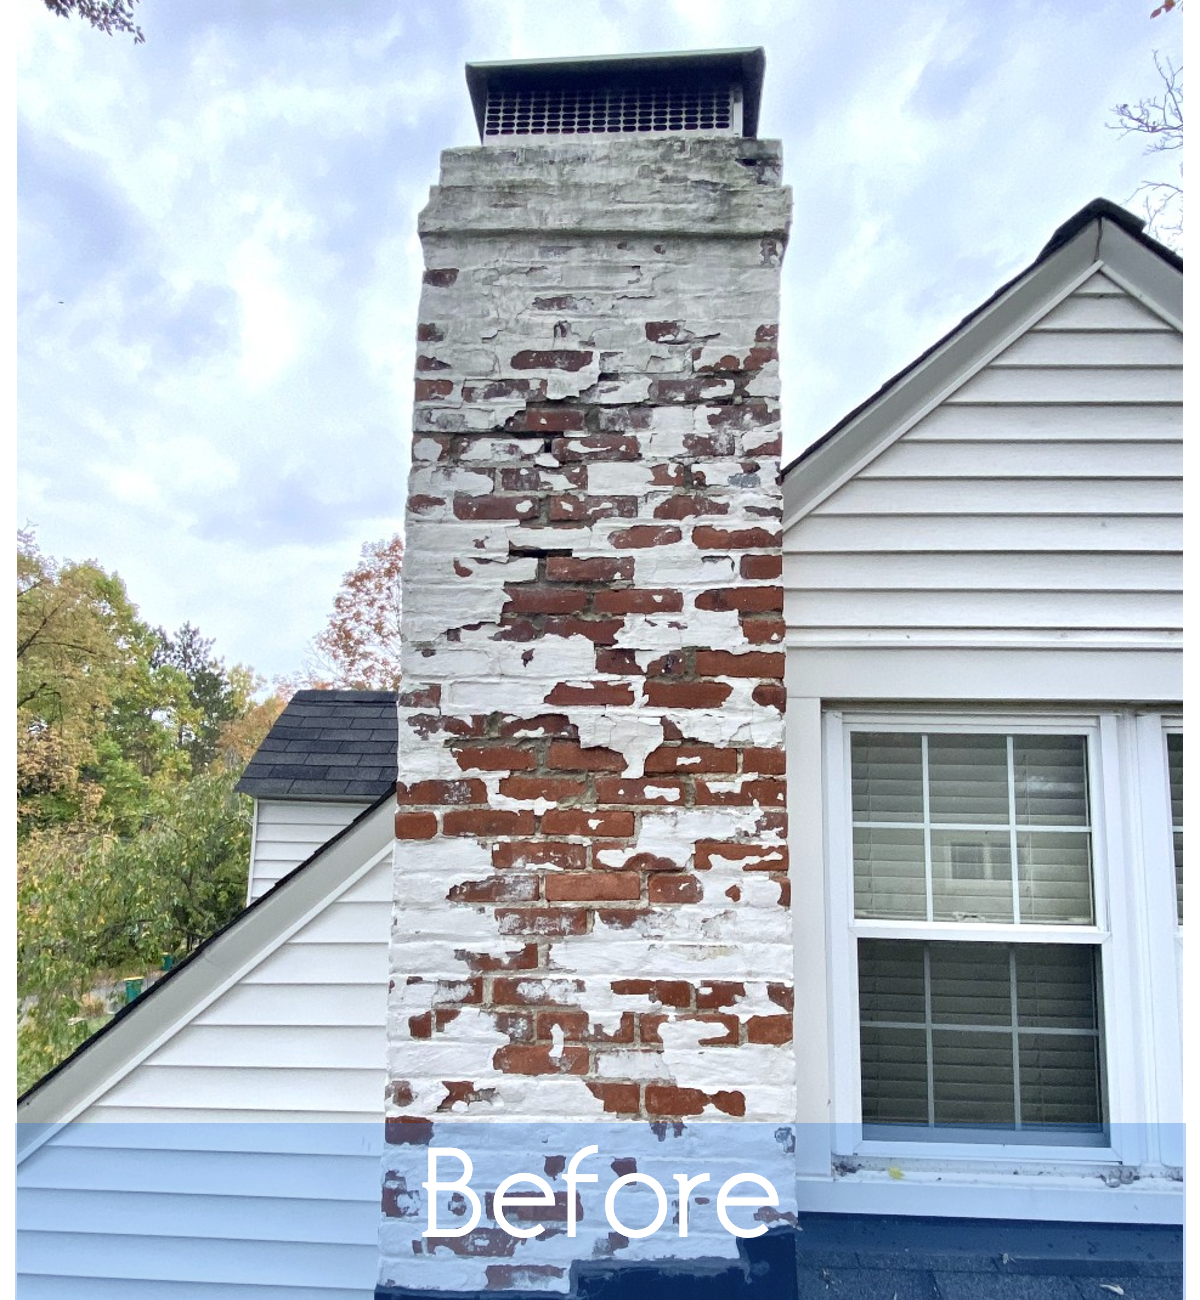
(420, 501)
(710, 538)
(671, 888)
(754, 857)
(516, 1026)
(521, 1058)
(761, 568)
(427, 363)
(539, 853)
(768, 761)
(530, 992)
(601, 631)
(545, 600)
(442, 792)
(545, 724)
(594, 822)
(721, 663)
(662, 331)
(719, 993)
(692, 388)
(667, 1101)
(545, 419)
(681, 505)
(525, 958)
(686, 695)
(754, 600)
(552, 359)
(659, 791)
(441, 277)
(568, 757)
(732, 1103)
(783, 995)
(647, 862)
(766, 334)
(643, 535)
(407, 1131)
(427, 333)
(762, 790)
(763, 631)
(638, 600)
(558, 788)
(755, 414)
(615, 693)
(597, 446)
(616, 1098)
(668, 993)
(579, 509)
(785, 893)
(493, 758)
(421, 1026)
(621, 662)
(546, 922)
(570, 568)
(495, 507)
(420, 697)
(487, 821)
(771, 695)
(532, 478)
(769, 1029)
(506, 888)
(428, 390)
(691, 758)
(599, 886)
(726, 1030)
(416, 826)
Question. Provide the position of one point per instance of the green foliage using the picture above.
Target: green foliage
(105, 15)
(132, 844)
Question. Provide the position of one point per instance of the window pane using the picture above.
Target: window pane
(891, 981)
(1175, 766)
(973, 1078)
(895, 1088)
(889, 873)
(1050, 780)
(972, 875)
(1055, 877)
(968, 779)
(970, 984)
(886, 768)
(1060, 1080)
(1056, 986)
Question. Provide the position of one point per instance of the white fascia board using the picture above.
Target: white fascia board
(177, 1000)
(1100, 245)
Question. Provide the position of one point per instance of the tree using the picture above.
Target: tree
(106, 15)
(359, 648)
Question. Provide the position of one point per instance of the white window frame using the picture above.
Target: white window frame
(1141, 1024)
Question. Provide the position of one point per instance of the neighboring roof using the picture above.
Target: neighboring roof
(1100, 234)
(331, 745)
(172, 1002)
(744, 66)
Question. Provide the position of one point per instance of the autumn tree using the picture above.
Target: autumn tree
(109, 16)
(359, 648)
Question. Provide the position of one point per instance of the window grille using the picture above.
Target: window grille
(609, 110)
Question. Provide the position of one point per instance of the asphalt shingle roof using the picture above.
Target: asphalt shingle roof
(327, 745)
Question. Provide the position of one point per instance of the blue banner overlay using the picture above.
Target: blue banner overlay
(191, 1211)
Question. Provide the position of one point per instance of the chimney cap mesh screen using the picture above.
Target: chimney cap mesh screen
(609, 110)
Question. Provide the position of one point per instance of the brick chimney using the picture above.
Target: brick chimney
(591, 892)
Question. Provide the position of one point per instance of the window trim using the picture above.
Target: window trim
(1137, 1024)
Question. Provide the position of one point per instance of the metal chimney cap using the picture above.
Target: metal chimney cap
(742, 67)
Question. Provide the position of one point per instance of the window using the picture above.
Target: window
(995, 989)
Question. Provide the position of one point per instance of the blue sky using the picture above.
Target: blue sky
(219, 269)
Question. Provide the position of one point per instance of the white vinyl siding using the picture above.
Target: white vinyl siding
(288, 832)
(1041, 499)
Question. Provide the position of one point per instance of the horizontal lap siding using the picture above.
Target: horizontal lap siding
(1043, 496)
(288, 832)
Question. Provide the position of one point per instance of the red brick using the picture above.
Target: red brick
(754, 857)
(691, 758)
(594, 886)
(664, 331)
(686, 695)
(579, 509)
(506, 888)
(494, 390)
(546, 600)
(762, 631)
(719, 993)
(637, 600)
(667, 1101)
(648, 862)
(552, 359)
(783, 995)
(466, 791)
(772, 762)
(609, 790)
(766, 334)
(752, 600)
(516, 1026)
(525, 958)
(557, 788)
(642, 535)
(721, 663)
(427, 333)
(761, 567)
(667, 993)
(416, 826)
(684, 506)
(755, 414)
(487, 821)
(726, 1030)
(426, 364)
(606, 693)
(545, 724)
(420, 501)
(771, 695)
(428, 390)
(769, 1029)
(420, 697)
(568, 757)
(601, 631)
(539, 853)
(495, 507)
(421, 1026)
(520, 1058)
(545, 419)
(441, 277)
(494, 758)
(530, 992)
(671, 888)
(709, 538)
(596, 446)
(623, 663)
(692, 388)
(762, 790)
(616, 1098)
(588, 822)
(546, 922)
(571, 568)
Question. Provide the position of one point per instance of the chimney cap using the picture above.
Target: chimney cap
(743, 67)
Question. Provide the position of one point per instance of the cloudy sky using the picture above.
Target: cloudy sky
(219, 271)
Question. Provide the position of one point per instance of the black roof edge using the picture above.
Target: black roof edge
(1093, 211)
(749, 62)
(131, 1008)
